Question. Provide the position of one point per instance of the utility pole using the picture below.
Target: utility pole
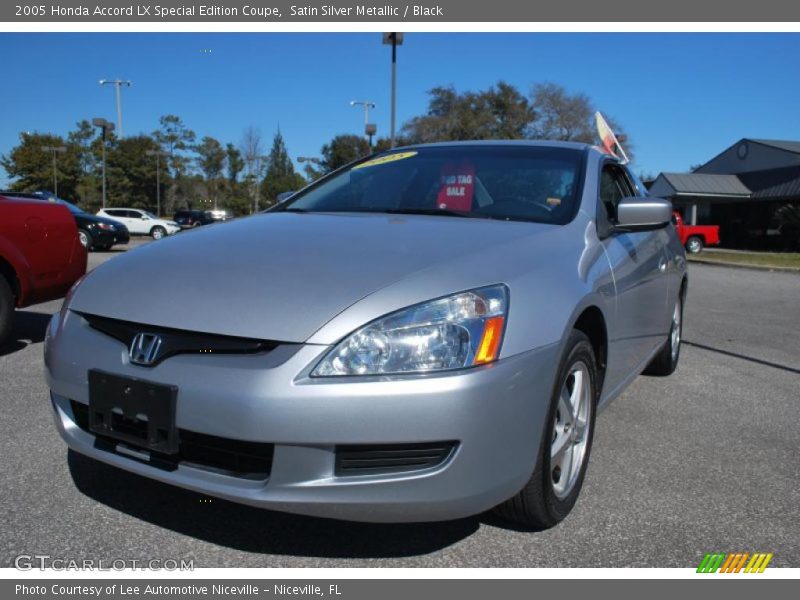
(106, 128)
(55, 150)
(395, 39)
(158, 154)
(118, 83)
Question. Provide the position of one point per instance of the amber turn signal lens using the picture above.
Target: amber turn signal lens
(490, 342)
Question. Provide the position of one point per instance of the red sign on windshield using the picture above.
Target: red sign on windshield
(457, 187)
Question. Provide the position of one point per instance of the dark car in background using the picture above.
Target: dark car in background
(95, 233)
(187, 219)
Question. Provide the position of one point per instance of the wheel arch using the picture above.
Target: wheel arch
(592, 322)
(10, 275)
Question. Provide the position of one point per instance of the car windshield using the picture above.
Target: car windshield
(149, 214)
(72, 208)
(532, 183)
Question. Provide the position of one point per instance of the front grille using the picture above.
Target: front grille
(177, 341)
(247, 460)
(391, 458)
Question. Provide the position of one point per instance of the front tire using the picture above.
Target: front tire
(85, 238)
(553, 489)
(158, 232)
(666, 361)
(6, 310)
(694, 245)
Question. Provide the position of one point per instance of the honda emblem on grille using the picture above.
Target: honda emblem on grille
(144, 348)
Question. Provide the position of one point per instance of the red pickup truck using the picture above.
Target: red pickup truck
(40, 255)
(695, 237)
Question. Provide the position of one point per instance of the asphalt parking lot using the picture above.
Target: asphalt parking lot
(705, 460)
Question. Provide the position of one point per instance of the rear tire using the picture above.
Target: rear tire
(158, 232)
(666, 361)
(566, 444)
(6, 310)
(694, 245)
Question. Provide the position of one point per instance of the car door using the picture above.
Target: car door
(135, 222)
(638, 263)
(116, 214)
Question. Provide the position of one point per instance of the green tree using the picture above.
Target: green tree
(87, 146)
(175, 138)
(569, 117)
(234, 163)
(343, 149)
(30, 168)
(561, 115)
(501, 112)
(280, 176)
(211, 161)
(131, 173)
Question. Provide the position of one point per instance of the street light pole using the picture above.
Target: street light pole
(369, 129)
(55, 150)
(309, 159)
(106, 127)
(118, 83)
(395, 39)
(256, 191)
(158, 154)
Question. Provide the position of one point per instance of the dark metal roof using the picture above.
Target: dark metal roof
(788, 145)
(700, 183)
(783, 183)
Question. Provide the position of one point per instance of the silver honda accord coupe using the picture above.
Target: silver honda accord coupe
(423, 335)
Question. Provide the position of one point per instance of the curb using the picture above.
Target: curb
(748, 266)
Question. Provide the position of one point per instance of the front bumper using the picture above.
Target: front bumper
(104, 237)
(495, 414)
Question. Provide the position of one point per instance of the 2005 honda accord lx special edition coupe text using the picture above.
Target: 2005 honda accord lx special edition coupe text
(422, 335)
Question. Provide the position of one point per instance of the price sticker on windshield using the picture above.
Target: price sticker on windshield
(382, 160)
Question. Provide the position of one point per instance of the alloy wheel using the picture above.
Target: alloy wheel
(675, 332)
(571, 429)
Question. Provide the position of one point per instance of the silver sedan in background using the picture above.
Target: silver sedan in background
(425, 334)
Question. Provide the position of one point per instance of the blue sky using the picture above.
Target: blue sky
(682, 97)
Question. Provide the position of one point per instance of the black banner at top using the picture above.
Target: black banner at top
(470, 11)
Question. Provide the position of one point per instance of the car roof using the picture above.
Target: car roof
(526, 143)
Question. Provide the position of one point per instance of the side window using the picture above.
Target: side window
(613, 188)
(112, 213)
(132, 214)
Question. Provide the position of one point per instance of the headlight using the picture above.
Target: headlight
(68, 298)
(105, 226)
(458, 331)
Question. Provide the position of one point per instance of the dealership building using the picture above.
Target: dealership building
(751, 190)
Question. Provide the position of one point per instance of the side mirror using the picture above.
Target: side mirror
(145, 218)
(642, 214)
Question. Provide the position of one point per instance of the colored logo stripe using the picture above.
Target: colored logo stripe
(733, 563)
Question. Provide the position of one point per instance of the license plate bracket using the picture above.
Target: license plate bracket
(135, 411)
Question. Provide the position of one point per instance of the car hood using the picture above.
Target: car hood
(87, 218)
(282, 276)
